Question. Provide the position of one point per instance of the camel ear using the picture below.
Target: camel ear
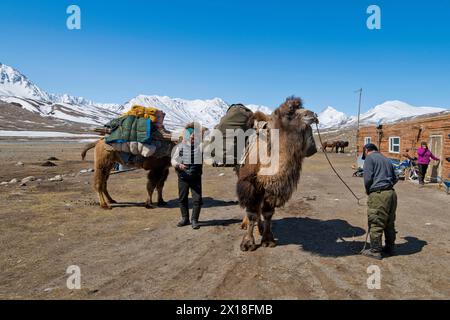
(276, 113)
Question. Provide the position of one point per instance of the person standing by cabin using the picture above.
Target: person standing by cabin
(379, 181)
(188, 162)
(424, 156)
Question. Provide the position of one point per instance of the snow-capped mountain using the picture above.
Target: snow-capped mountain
(180, 111)
(331, 118)
(15, 84)
(387, 112)
(17, 89)
(391, 111)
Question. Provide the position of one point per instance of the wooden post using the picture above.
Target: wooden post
(359, 115)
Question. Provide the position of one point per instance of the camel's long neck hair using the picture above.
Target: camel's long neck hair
(280, 186)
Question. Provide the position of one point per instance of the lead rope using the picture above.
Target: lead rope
(342, 180)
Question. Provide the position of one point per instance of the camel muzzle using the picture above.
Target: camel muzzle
(311, 118)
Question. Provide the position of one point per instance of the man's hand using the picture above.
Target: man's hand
(182, 167)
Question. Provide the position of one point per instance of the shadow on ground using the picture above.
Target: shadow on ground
(219, 222)
(207, 203)
(326, 237)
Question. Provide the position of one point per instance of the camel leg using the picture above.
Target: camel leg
(161, 202)
(245, 222)
(103, 162)
(268, 239)
(248, 242)
(105, 190)
(99, 184)
(160, 187)
(150, 189)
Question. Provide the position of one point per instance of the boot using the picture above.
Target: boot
(184, 218)
(389, 248)
(195, 216)
(375, 249)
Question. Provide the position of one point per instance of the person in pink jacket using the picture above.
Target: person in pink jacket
(424, 155)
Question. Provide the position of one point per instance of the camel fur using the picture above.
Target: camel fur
(260, 194)
(105, 159)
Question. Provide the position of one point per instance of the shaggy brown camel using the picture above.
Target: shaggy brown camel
(105, 159)
(260, 194)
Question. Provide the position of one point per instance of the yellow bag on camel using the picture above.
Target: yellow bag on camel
(156, 116)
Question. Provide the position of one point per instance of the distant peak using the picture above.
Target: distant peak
(330, 108)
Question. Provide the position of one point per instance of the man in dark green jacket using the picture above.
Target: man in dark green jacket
(379, 181)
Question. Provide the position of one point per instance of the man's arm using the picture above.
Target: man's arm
(176, 159)
(368, 173)
(394, 176)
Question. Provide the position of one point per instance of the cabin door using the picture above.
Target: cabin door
(436, 147)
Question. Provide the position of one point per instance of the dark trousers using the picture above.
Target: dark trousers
(193, 183)
(422, 172)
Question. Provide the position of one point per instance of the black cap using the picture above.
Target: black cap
(368, 147)
(371, 147)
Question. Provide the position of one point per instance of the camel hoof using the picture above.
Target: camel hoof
(268, 244)
(162, 203)
(106, 207)
(268, 241)
(248, 245)
(149, 206)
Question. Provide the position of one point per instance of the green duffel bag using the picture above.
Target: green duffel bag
(129, 129)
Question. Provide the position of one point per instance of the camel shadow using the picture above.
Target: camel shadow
(219, 222)
(127, 204)
(326, 237)
(208, 202)
(174, 203)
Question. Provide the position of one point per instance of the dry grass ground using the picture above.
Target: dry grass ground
(133, 252)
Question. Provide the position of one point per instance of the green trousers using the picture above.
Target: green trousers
(381, 214)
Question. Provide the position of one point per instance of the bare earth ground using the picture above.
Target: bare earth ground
(133, 252)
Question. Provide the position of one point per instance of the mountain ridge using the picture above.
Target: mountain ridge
(19, 90)
(387, 112)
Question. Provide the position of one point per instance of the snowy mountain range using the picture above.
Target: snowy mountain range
(387, 112)
(16, 90)
(179, 112)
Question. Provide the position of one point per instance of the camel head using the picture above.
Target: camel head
(292, 116)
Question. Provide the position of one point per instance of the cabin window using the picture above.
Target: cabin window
(367, 140)
(394, 144)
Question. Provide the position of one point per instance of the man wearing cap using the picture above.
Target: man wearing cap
(379, 181)
(188, 162)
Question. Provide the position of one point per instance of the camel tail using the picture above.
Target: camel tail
(87, 148)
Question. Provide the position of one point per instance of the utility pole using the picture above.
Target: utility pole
(359, 115)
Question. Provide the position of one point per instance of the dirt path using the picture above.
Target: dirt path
(133, 252)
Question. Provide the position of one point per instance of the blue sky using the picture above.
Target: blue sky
(242, 51)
